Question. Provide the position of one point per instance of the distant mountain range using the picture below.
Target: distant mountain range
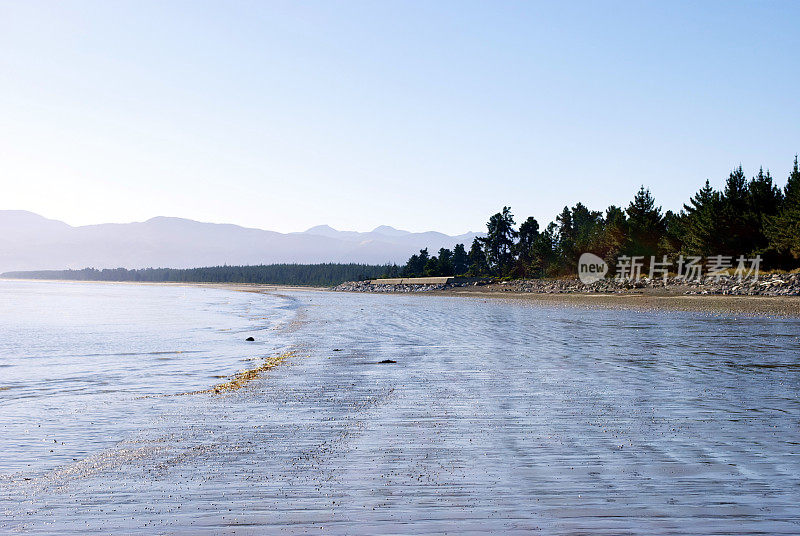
(31, 242)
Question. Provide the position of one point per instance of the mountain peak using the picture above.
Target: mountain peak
(387, 230)
(321, 229)
(30, 242)
(27, 218)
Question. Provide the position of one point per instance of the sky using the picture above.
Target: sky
(419, 115)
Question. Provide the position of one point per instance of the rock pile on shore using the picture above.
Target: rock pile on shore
(768, 285)
(366, 286)
(765, 285)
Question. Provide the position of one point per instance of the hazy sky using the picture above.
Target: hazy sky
(421, 115)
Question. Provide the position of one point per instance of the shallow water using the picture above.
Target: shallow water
(496, 417)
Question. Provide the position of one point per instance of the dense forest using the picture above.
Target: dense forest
(747, 218)
(273, 274)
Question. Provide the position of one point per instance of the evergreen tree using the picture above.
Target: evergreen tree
(499, 241)
(528, 233)
(763, 202)
(674, 231)
(544, 260)
(614, 235)
(477, 259)
(416, 265)
(645, 225)
(445, 263)
(424, 257)
(431, 267)
(783, 229)
(702, 225)
(792, 188)
(392, 271)
(566, 237)
(411, 267)
(587, 227)
(460, 260)
(740, 229)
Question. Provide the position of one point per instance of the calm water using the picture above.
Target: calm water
(497, 417)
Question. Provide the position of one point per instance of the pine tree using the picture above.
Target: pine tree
(477, 259)
(783, 229)
(645, 225)
(702, 235)
(410, 269)
(587, 227)
(528, 233)
(544, 259)
(763, 201)
(566, 237)
(614, 235)
(460, 260)
(499, 241)
(736, 223)
(674, 232)
(416, 265)
(792, 188)
(431, 267)
(445, 263)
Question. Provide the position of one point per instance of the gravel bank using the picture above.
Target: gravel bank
(770, 295)
(766, 285)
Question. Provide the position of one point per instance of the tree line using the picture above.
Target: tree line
(747, 217)
(318, 275)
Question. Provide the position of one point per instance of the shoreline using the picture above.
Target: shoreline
(634, 300)
(240, 287)
(777, 306)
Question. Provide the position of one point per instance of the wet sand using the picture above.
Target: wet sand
(785, 306)
(639, 300)
(781, 306)
(429, 416)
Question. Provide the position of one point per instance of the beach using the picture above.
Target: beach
(708, 297)
(148, 410)
(648, 301)
(643, 299)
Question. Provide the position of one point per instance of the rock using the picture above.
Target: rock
(250, 339)
(765, 285)
(386, 361)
